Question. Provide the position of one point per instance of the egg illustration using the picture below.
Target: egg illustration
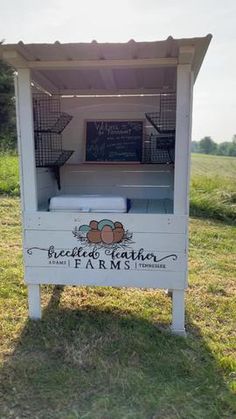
(118, 234)
(103, 223)
(107, 234)
(118, 224)
(93, 224)
(94, 236)
(84, 228)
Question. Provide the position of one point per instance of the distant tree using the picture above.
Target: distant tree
(7, 107)
(195, 147)
(207, 146)
(232, 147)
(223, 148)
(227, 148)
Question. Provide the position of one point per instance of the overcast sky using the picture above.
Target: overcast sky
(143, 20)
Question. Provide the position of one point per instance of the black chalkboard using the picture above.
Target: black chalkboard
(114, 141)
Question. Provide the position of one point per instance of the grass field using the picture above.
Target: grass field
(9, 176)
(213, 187)
(105, 353)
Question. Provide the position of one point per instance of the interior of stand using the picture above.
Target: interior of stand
(60, 133)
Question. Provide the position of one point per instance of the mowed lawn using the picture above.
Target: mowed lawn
(104, 353)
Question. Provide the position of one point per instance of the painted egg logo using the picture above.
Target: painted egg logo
(104, 233)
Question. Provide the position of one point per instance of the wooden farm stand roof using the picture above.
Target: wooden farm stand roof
(114, 68)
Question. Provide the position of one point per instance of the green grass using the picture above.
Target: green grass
(213, 187)
(106, 353)
(9, 176)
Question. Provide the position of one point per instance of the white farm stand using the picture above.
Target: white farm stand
(108, 84)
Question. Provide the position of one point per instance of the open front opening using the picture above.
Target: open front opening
(108, 145)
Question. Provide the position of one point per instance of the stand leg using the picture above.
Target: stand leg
(34, 301)
(178, 324)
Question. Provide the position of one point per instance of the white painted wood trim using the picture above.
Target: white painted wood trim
(114, 92)
(15, 59)
(186, 54)
(183, 138)
(178, 309)
(85, 64)
(34, 299)
(19, 142)
(25, 136)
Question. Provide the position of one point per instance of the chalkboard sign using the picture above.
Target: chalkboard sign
(114, 141)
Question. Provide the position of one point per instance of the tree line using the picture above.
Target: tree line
(7, 108)
(207, 146)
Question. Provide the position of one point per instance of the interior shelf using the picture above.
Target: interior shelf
(141, 206)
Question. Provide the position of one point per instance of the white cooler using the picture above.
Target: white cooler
(88, 203)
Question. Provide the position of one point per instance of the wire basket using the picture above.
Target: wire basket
(50, 157)
(49, 122)
(164, 121)
(159, 149)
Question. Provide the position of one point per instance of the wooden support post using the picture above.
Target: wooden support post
(178, 325)
(183, 139)
(34, 301)
(25, 133)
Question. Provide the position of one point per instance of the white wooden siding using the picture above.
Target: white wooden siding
(160, 235)
(39, 259)
(63, 239)
(140, 223)
(46, 186)
(130, 181)
(147, 279)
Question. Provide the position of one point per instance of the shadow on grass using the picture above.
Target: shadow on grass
(88, 363)
(224, 215)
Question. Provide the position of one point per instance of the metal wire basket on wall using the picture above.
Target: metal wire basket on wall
(49, 122)
(164, 121)
(159, 145)
(159, 149)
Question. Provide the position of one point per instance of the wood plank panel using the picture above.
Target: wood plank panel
(65, 239)
(134, 222)
(151, 279)
(127, 191)
(105, 177)
(131, 181)
(80, 259)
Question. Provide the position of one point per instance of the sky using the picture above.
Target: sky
(214, 104)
